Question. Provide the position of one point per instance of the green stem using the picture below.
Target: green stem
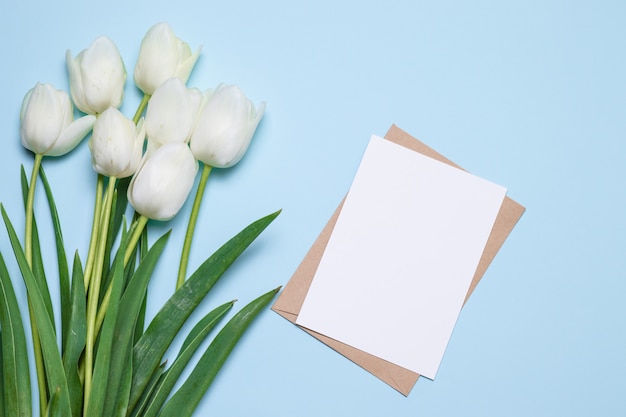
(140, 224)
(30, 203)
(28, 249)
(137, 228)
(94, 230)
(141, 108)
(94, 288)
(191, 226)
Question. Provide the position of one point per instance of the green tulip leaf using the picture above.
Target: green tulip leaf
(186, 399)
(74, 343)
(39, 272)
(2, 414)
(55, 374)
(120, 369)
(141, 319)
(150, 348)
(37, 260)
(53, 405)
(119, 209)
(202, 329)
(148, 393)
(122, 391)
(102, 366)
(16, 393)
(64, 274)
(197, 335)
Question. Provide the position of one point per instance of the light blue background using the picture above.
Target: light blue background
(530, 95)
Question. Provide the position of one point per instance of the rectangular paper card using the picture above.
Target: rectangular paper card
(401, 258)
(290, 300)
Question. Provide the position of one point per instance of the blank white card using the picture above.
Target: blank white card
(401, 257)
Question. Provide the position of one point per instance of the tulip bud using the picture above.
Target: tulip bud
(47, 122)
(116, 144)
(163, 181)
(225, 126)
(97, 77)
(162, 55)
(172, 111)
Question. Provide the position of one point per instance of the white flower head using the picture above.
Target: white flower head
(116, 144)
(97, 77)
(163, 181)
(226, 123)
(47, 122)
(162, 55)
(172, 112)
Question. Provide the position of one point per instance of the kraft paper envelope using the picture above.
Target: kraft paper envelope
(292, 297)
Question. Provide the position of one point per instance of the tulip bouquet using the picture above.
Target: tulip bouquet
(104, 358)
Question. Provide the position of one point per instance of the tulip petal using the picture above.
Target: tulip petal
(72, 135)
(254, 122)
(25, 102)
(76, 81)
(186, 66)
(137, 149)
(172, 111)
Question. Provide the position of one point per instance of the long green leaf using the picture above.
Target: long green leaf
(186, 399)
(121, 203)
(55, 373)
(197, 335)
(148, 392)
(118, 210)
(53, 405)
(74, 343)
(120, 369)
(129, 271)
(37, 260)
(40, 273)
(2, 413)
(101, 372)
(149, 350)
(141, 319)
(63, 267)
(15, 371)
(202, 329)
(118, 407)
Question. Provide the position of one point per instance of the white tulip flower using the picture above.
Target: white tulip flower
(116, 144)
(162, 55)
(163, 181)
(225, 126)
(97, 76)
(47, 122)
(172, 112)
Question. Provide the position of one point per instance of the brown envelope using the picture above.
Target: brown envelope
(292, 297)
